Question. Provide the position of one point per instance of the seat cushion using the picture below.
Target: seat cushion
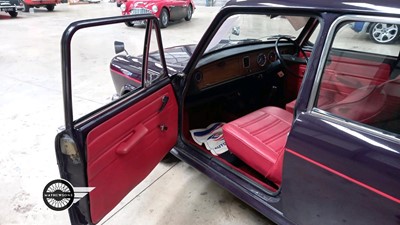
(259, 139)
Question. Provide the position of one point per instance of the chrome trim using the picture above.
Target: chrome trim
(324, 55)
(145, 73)
(264, 57)
(349, 123)
(136, 11)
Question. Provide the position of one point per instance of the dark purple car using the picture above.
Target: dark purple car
(277, 103)
(126, 78)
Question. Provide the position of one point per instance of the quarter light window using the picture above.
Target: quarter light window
(361, 76)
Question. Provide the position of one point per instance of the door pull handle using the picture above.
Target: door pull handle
(164, 101)
(137, 135)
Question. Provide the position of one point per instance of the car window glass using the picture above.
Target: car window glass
(247, 28)
(314, 35)
(155, 68)
(96, 83)
(368, 37)
(361, 78)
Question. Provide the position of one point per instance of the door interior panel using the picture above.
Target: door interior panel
(122, 151)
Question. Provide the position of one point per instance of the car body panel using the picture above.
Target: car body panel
(10, 6)
(372, 7)
(360, 27)
(177, 9)
(41, 3)
(355, 171)
(125, 70)
(362, 207)
(337, 164)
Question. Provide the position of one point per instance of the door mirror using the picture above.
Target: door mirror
(119, 47)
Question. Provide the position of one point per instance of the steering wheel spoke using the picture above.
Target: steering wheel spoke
(288, 58)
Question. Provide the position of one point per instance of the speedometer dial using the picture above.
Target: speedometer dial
(261, 59)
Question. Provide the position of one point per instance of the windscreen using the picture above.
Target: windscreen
(242, 29)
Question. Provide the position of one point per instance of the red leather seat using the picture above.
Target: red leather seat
(366, 104)
(326, 97)
(362, 105)
(259, 139)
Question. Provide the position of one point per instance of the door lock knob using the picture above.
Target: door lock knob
(163, 127)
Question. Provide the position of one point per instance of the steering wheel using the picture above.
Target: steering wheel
(295, 58)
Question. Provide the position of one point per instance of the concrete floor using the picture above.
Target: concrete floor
(31, 111)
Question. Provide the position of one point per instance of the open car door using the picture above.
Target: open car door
(113, 148)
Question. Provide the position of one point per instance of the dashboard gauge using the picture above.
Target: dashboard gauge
(261, 59)
(271, 56)
(198, 76)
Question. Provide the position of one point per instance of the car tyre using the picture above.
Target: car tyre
(13, 14)
(25, 7)
(189, 14)
(50, 8)
(129, 24)
(164, 18)
(384, 33)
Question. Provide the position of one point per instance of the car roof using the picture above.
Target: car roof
(382, 7)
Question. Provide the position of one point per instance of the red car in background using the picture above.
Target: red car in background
(119, 2)
(49, 4)
(164, 10)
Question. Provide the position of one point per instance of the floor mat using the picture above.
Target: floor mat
(211, 137)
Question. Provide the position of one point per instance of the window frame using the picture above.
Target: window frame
(149, 33)
(319, 113)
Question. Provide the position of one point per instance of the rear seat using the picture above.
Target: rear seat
(259, 139)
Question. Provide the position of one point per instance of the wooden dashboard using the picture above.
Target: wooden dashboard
(239, 65)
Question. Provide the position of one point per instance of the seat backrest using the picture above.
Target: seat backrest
(392, 87)
(364, 104)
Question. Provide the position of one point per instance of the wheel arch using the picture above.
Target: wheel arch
(369, 27)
